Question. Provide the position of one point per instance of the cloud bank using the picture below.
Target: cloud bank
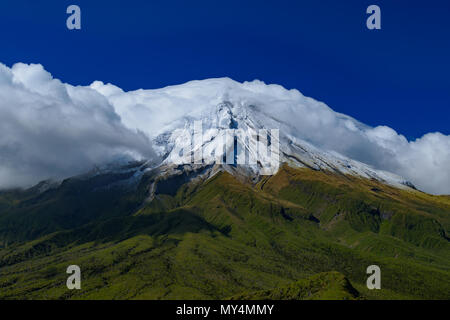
(52, 129)
(425, 162)
(49, 129)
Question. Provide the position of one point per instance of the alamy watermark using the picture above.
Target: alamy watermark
(259, 148)
(374, 280)
(74, 280)
(74, 20)
(374, 20)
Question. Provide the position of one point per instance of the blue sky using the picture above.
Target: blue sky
(397, 76)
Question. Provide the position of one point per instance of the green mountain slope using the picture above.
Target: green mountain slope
(223, 237)
(322, 286)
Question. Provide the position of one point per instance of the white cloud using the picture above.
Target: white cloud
(425, 161)
(53, 130)
(48, 128)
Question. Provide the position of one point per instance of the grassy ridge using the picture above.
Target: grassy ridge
(321, 286)
(222, 238)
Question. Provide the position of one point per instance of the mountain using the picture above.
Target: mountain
(226, 209)
(310, 134)
(243, 123)
(322, 286)
(218, 237)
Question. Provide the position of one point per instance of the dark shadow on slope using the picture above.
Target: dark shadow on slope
(76, 202)
(178, 222)
(171, 184)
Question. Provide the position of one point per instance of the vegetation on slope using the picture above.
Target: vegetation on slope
(321, 286)
(222, 237)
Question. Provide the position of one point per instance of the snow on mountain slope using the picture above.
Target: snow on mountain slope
(53, 130)
(225, 108)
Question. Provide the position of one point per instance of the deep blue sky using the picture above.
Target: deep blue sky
(398, 76)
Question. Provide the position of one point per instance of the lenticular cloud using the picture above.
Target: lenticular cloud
(49, 129)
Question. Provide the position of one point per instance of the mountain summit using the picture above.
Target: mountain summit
(57, 130)
(250, 127)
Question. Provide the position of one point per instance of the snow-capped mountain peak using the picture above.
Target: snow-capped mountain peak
(251, 125)
(246, 137)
